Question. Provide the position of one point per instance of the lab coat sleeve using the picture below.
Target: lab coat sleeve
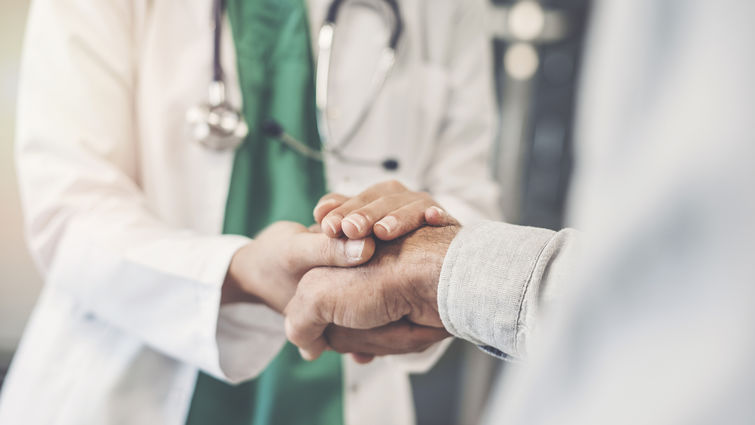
(496, 280)
(90, 227)
(459, 175)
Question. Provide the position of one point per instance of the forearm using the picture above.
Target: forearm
(495, 279)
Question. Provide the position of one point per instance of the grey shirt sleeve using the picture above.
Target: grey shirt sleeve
(495, 278)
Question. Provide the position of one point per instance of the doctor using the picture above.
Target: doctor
(149, 311)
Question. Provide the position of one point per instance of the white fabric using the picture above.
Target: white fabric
(124, 209)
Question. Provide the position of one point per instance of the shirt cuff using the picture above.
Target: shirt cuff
(484, 284)
(249, 336)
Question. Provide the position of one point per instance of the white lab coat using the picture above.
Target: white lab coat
(124, 210)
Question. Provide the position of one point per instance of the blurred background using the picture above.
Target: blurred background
(537, 48)
(19, 281)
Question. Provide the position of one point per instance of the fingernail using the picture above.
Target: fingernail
(439, 210)
(329, 223)
(354, 249)
(388, 223)
(306, 355)
(358, 221)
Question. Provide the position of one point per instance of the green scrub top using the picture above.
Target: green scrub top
(269, 183)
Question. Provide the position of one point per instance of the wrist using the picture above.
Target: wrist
(425, 277)
(239, 285)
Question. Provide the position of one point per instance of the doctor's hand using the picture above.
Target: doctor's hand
(388, 210)
(268, 269)
(399, 283)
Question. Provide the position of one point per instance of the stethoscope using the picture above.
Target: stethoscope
(218, 125)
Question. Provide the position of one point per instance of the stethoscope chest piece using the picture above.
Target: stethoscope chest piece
(216, 124)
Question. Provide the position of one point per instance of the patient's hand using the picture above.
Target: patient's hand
(388, 210)
(399, 285)
(399, 337)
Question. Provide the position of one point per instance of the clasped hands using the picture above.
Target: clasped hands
(363, 280)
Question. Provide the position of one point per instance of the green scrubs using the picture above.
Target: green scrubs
(270, 183)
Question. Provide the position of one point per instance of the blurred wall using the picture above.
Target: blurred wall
(19, 281)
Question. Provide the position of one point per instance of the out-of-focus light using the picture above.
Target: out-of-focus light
(526, 20)
(521, 61)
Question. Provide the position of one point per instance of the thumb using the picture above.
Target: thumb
(318, 250)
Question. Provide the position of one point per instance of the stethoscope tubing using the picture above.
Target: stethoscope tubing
(322, 78)
(322, 75)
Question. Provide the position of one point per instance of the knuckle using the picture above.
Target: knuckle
(296, 336)
(365, 212)
(398, 198)
(293, 330)
(329, 250)
(308, 293)
(361, 199)
(394, 186)
(296, 326)
(425, 195)
(337, 213)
